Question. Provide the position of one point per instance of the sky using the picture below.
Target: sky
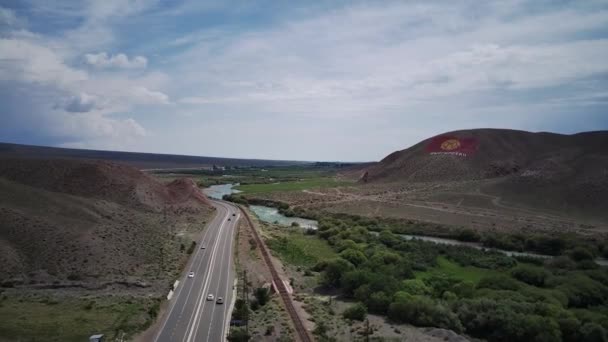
(298, 80)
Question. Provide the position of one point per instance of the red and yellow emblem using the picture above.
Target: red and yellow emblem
(450, 145)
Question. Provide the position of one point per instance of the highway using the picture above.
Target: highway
(190, 316)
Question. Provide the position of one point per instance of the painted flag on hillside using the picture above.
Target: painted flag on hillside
(452, 146)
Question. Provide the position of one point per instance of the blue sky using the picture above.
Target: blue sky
(308, 80)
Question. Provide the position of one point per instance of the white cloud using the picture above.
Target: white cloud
(368, 59)
(394, 71)
(103, 60)
(81, 103)
(23, 60)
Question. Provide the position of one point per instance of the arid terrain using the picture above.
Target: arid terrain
(92, 238)
(89, 222)
(511, 180)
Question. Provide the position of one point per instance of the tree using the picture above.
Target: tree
(378, 302)
(530, 275)
(355, 257)
(262, 294)
(356, 312)
(362, 293)
(422, 311)
(468, 235)
(415, 287)
(593, 332)
(580, 253)
(238, 335)
(583, 291)
(388, 238)
(439, 283)
(498, 282)
(334, 271)
(465, 289)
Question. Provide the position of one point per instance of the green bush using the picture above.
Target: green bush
(592, 332)
(422, 311)
(580, 253)
(498, 282)
(378, 303)
(583, 291)
(530, 275)
(262, 295)
(355, 257)
(415, 287)
(333, 271)
(356, 312)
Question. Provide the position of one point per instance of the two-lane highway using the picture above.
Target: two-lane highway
(191, 317)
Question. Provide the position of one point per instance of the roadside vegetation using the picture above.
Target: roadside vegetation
(297, 185)
(300, 249)
(481, 293)
(37, 317)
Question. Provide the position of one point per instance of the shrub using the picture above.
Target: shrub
(422, 311)
(580, 254)
(378, 302)
(415, 287)
(355, 257)
(468, 235)
(262, 295)
(465, 289)
(593, 332)
(356, 312)
(333, 271)
(238, 334)
(506, 320)
(583, 291)
(530, 275)
(498, 282)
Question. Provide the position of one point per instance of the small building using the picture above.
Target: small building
(96, 338)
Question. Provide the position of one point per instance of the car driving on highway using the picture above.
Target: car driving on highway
(220, 300)
(210, 297)
(191, 275)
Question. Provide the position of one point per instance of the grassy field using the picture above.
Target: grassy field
(301, 177)
(322, 182)
(301, 250)
(447, 267)
(42, 318)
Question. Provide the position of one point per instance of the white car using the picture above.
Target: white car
(191, 275)
(202, 247)
(210, 297)
(220, 300)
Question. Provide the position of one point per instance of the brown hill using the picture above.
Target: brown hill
(545, 169)
(102, 180)
(69, 223)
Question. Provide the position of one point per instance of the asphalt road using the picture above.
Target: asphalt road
(191, 317)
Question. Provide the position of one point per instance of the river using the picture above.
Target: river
(272, 215)
(218, 191)
(476, 245)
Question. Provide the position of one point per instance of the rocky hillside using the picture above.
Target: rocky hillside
(547, 169)
(68, 223)
(102, 180)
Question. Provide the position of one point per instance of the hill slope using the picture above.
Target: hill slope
(90, 223)
(544, 169)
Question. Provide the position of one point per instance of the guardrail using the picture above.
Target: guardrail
(282, 290)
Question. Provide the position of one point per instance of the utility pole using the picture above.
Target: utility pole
(246, 292)
(367, 333)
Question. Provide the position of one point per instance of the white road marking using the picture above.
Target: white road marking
(190, 328)
(179, 290)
